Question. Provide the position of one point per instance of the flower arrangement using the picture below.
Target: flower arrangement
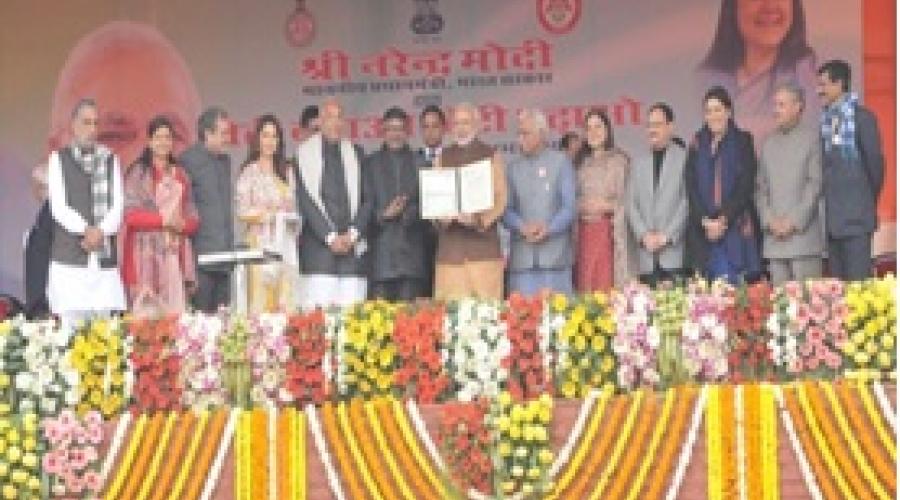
(97, 354)
(872, 325)
(747, 315)
(669, 316)
(418, 334)
(521, 455)
(476, 345)
(202, 362)
(637, 339)
(34, 371)
(305, 376)
(367, 352)
(71, 460)
(526, 362)
(820, 322)
(465, 442)
(704, 338)
(233, 348)
(268, 351)
(585, 357)
(19, 463)
(156, 365)
(782, 330)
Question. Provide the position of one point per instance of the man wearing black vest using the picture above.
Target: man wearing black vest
(86, 202)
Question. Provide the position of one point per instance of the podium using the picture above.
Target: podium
(240, 258)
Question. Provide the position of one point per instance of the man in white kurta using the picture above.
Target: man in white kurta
(86, 202)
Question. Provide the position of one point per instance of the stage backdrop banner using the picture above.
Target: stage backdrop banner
(143, 57)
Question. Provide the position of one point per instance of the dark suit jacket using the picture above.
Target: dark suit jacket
(851, 185)
(316, 256)
(397, 245)
(37, 263)
(738, 203)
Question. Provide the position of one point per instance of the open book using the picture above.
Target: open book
(455, 191)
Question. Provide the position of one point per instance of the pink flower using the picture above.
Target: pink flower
(51, 464)
(795, 365)
(92, 480)
(833, 361)
(805, 349)
(815, 334)
(818, 311)
(95, 434)
(93, 418)
(90, 453)
(793, 290)
(77, 458)
(803, 316)
(74, 483)
(67, 419)
(812, 363)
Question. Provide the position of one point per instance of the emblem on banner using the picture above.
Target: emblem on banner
(558, 16)
(300, 28)
(426, 20)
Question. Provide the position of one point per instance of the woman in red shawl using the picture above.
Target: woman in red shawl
(158, 264)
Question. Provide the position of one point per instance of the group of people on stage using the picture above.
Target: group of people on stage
(349, 226)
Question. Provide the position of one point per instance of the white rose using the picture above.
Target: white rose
(720, 333)
(24, 381)
(653, 337)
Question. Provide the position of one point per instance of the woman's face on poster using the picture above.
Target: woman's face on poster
(764, 23)
(716, 115)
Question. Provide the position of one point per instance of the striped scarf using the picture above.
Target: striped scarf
(839, 125)
(95, 162)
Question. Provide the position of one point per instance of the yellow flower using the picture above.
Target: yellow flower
(598, 343)
(527, 489)
(884, 360)
(504, 449)
(30, 460)
(34, 483)
(508, 486)
(13, 436)
(569, 390)
(4, 469)
(4, 380)
(19, 476)
(608, 363)
(504, 398)
(568, 331)
(384, 381)
(579, 343)
(386, 357)
(539, 433)
(527, 434)
(517, 414)
(887, 341)
(515, 432)
(5, 327)
(96, 398)
(521, 452)
(600, 298)
(559, 303)
(29, 444)
(597, 379)
(13, 454)
(545, 415)
(534, 473)
(587, 328)
(585, 363)
(871, 347)
(858, 337)
(545, 456)
(872, 328)
(10, 492)
(861, 358)
(578, 314)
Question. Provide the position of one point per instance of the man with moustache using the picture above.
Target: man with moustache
(656, 202)
(789, 185)
(853, 173)
(469, 261)
(336, 214)
(540, 212)
(398, 233)
(86, 201)
(208, 166)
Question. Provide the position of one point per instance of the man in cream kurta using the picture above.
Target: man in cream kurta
(469, 260)
(86, 202)
(335, 215)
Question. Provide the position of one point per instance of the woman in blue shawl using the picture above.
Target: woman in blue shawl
(722, 238)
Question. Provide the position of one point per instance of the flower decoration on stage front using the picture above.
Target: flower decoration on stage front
(418, 334)
(35, 369)
(704, 337)
(268, 351)
(585, 358)
(305, 377)
(748, 311)
(368, 355)
(637, 339)
(98, 355)
(871, 322)
(526, 363)
(475, 345)
(156, 364)
(465, 441)
(202, 362)
(20, 475)
(521, 453)
(820, 322)
(71, 460)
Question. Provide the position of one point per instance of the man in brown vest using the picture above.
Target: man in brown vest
(469, 260)
(86, 202)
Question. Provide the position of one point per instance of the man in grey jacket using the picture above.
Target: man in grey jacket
(853, 172)
(656, 204)
(209, 167)
(789, 185)
(539, 212)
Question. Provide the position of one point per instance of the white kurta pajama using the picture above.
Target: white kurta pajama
(79, 292)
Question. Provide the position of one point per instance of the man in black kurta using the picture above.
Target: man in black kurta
(398, 235)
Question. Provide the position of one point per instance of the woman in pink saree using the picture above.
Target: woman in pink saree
(157, 259)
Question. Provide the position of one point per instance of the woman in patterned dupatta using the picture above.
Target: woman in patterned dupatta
(158, 266)
(723, 237)
(605, 251)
